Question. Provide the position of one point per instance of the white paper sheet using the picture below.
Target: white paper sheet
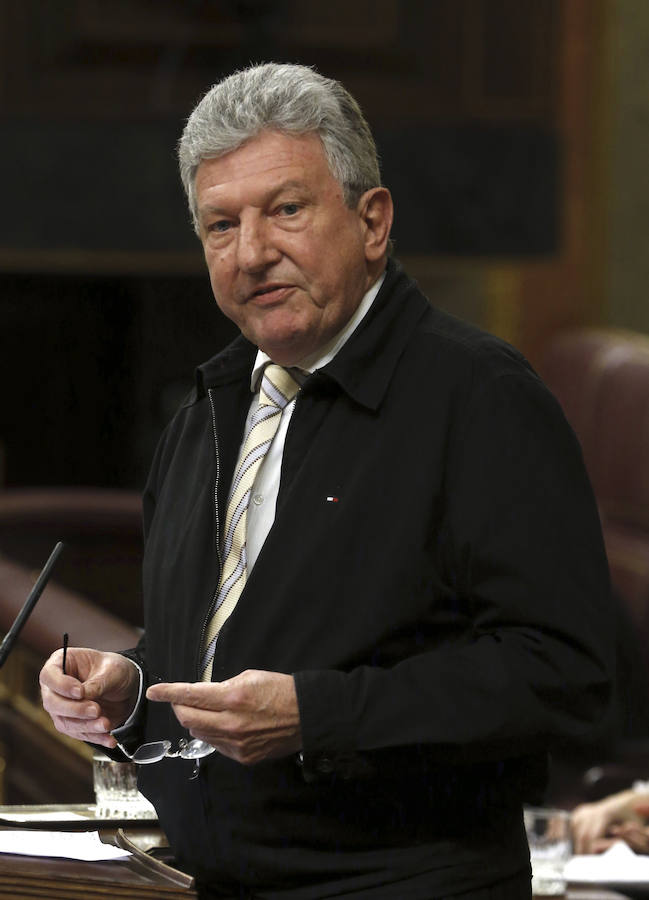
(67, 844)
(60, 815)
(617, 865)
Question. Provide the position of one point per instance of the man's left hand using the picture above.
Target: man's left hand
(251, 717)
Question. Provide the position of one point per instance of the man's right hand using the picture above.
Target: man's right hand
(97, 693)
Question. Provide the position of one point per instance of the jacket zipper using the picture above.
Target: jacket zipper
(217, 529)
(208, 615)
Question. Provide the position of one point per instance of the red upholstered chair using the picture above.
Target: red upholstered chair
(57, 611)
(102, 533)
(601, 379)
(571, 366)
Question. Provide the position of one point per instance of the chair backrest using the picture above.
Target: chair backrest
(58, 610)
(102, 533)
(601, 379)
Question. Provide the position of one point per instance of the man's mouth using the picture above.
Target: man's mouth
(270, 292)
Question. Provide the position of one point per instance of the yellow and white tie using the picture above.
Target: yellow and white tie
(278, 388)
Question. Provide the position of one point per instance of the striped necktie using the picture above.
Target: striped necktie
(278, 388)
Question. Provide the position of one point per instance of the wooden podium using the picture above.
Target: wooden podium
(145, 875)
(64, 879)
(137, 877)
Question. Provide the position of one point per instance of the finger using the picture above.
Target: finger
(633, 840)
(200, 695)
(584, 843)
(210, 737)
(634, 835)
(578, 843)
(95, 688)
(54, 662)
(203, 723)
(94, 730)
(639, 843)
(585, 831)
(105, 740)
(52, 678)
(77, 664)
(56, 705)
(602, 844)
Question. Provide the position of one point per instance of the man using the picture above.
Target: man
(416, 603)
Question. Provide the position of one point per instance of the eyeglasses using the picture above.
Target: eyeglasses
(155, 751)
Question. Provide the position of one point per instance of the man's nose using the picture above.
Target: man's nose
(256, 249)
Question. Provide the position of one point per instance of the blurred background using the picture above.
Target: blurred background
(514, 136)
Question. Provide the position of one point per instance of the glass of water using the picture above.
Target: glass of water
(116, 792)
(548, 835)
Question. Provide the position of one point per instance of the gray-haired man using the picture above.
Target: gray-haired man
(420, 590)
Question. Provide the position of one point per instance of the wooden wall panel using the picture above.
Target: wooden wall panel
(484, 111)
(460, 94)
(104, 58)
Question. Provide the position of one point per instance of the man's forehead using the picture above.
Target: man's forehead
(263, 168)
(270, 153)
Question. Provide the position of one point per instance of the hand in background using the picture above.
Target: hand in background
(97, 693)
(250, 717)
(632, 833)
(595, 826)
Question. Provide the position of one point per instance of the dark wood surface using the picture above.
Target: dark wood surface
(146, 875)
(140, 877)
(28, 877)
(25, 876)
(592, 892)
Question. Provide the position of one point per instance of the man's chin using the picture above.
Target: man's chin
(285, 350)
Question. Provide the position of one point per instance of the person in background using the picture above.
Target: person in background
(374, 578)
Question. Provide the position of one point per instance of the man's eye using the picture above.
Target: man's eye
(219, 227)
(289, 209)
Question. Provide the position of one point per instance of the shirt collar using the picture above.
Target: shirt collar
(326, 353)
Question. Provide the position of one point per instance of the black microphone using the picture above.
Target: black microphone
(30, 603)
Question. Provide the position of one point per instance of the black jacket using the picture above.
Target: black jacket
(446, 614)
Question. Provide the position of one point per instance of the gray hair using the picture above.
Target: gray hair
(288, 98)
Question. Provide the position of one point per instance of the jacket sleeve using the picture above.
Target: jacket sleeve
(131, 735)
(525, 556)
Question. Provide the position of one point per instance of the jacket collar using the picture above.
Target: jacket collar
(231, 364)
(364, 366)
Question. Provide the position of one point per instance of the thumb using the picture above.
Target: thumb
(94, 688)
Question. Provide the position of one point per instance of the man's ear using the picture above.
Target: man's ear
(376, 212)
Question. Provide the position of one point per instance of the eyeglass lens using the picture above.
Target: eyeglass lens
(158, 750)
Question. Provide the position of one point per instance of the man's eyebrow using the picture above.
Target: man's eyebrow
(209, 210)
(292, 184)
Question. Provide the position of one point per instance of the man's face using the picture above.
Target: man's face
(289, 262)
